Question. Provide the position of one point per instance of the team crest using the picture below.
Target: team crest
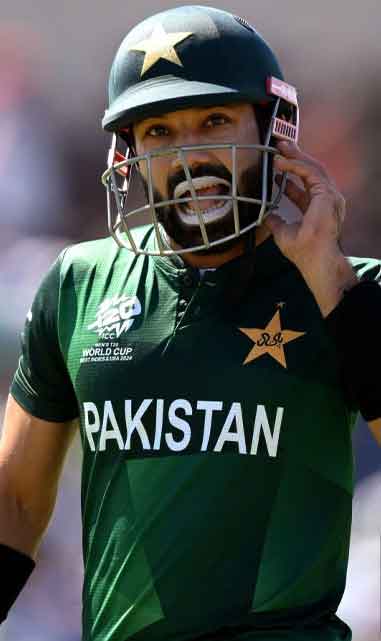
(270, 340)
(160, 45)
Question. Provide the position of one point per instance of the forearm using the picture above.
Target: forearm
(19, 538)
(21, 526)
(32, 452)
(328, 278)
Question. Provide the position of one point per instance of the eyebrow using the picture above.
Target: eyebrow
(200, 109)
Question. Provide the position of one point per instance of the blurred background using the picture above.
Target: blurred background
(54, 62)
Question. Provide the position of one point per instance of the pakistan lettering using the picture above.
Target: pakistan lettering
(156, 433)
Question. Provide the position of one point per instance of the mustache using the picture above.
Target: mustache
(207, 169)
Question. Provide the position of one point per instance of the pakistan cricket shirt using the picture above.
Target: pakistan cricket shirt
(217, 460)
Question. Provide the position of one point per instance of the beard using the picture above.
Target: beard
(188, 236)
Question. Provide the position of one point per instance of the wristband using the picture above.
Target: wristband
(355, 325)
(16, 568)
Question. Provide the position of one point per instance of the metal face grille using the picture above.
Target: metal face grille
(121, 217)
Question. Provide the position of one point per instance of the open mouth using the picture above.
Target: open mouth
(211, 206)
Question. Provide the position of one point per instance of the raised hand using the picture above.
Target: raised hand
(312, 244)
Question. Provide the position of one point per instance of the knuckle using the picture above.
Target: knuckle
(318, 167)
(341, 203)
(335, 198)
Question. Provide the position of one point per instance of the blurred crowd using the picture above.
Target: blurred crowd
(51, 196)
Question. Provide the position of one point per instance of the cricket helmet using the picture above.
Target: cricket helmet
(191, 56)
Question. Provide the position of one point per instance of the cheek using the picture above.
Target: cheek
(159, 171)
(247, 158)
(249, 172)
(248, 132)
(223, 157)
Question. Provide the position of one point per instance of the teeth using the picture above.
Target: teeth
(189, 217)
(199, 183)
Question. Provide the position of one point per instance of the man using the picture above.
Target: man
(209, 366)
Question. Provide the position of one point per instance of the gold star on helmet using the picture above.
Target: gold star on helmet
(270, 340)
(160, 45)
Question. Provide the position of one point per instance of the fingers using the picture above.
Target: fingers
(293, 160)
(274, 222)
(284, 233)
(315, 180)
(310, 176)
(339, 213)
(298, 196)
(291, 151)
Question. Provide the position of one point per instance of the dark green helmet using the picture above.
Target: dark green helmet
(187, 57)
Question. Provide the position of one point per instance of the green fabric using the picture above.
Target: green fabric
(215, 495)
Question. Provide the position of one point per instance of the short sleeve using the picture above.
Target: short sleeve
(367, 269)
(41, 384)
(353, 325)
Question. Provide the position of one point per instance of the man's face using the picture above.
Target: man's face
(211, 169)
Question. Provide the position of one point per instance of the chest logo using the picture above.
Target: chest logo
(115, 316)
(270, 340)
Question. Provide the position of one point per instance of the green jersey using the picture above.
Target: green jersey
(217, 459)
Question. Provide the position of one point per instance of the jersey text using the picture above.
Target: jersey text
(157, 424)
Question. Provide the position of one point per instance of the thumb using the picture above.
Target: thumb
(275, 224)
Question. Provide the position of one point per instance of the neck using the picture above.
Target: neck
(211, 261)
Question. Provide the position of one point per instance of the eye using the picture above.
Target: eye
(217, 120)
(157, 131)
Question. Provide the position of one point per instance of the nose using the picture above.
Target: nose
(192, 157)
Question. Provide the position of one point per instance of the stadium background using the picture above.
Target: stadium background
(54, 60)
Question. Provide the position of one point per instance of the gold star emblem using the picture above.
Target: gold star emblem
(160, 45)
(270, 340)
